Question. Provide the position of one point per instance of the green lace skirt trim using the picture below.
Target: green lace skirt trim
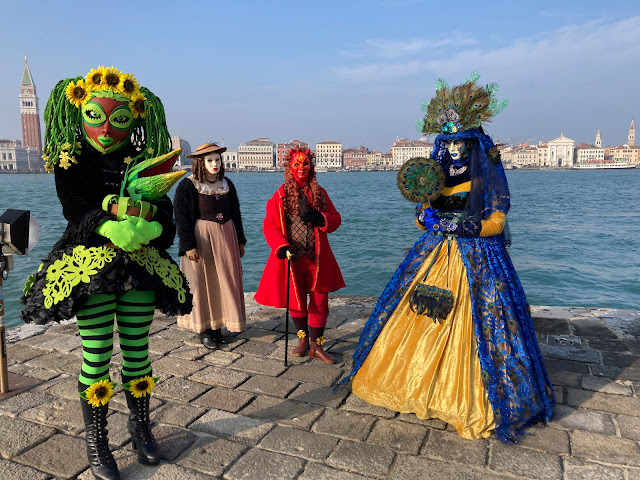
(84, 263)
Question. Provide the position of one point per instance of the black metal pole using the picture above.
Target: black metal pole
(286, 317)
(4, 375)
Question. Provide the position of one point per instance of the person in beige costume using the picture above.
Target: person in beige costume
(211, 244)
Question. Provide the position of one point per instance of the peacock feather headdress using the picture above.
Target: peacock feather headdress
(63, 114)
(459, 108)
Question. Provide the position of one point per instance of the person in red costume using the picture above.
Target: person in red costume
(299, 217)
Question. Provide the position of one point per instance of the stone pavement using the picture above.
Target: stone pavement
(241, 414)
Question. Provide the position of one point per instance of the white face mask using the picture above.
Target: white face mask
(456, 149)
(212, 163)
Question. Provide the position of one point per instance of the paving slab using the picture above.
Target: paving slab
(180, 389)
(222, 398)
(320, 374)
(400, 436)
(178, 367)
(17, 353)
(221, 358)
(578, 470)
(366, 459)
(19, 435)
(525, 463)
(299, 443)
(344, 424)
(546, 439)
(260, 335)
(283, 412)
(15, 471)
(265, 366)
(57, 361)
(435, 423)
(23, 401)
(177, 414)
(409, 467)
(449, 446)
(319, 471)
(263, 465)
(604, 385)
(173, 441)
(190, 352)
(59, 413)
(58, 456)
(265, 385)
(604, 402)
(222, 377)
(256, 349)
(319, 395)
(212, 455)
(64, 387)
(604, 448)
(232, 427)
(356, 404)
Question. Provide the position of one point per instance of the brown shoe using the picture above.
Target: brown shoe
(316, 351)
(302, 348)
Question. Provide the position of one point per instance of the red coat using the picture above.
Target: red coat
(272, 290)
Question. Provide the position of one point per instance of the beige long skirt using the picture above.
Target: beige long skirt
(215, 280)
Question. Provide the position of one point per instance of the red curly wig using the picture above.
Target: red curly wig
(292, 189)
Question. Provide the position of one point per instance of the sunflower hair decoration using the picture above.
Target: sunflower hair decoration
(421, 180)
(141, 387)
(99, 393)
(459, 108)
(63, 114)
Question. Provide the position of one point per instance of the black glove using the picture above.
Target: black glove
(313, 217)
(282, 253)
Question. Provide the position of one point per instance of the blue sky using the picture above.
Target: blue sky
(352, 71)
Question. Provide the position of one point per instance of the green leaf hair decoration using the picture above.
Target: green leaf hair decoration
(459, 108)
(421, 180)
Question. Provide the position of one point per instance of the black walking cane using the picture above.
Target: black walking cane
(286, 317)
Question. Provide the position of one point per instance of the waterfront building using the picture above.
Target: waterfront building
(14, 157)
(403, 149)
(281, 151)
(355, 158)
(622, 155)
(328, 156)
(257, 155)
(374, 161)
(589, 154)
(543, 155)
(561, 152)
(386, 162)
(30, 119)
(230, 160)
(183, 162)
(524, 155)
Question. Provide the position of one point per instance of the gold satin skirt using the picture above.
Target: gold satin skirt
(428, 368)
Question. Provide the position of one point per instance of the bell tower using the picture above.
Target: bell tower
(598, 140)
(30, 114)
(631, 138)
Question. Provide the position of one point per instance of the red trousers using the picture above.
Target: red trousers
(303, 270)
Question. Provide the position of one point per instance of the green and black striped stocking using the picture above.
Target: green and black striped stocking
(134, 311)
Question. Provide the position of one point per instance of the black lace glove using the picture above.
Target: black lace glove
(313, 217)
(282, 253)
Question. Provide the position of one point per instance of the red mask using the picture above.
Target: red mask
(300, 167)
(107, 124)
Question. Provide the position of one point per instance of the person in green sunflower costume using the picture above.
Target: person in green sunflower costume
(103, 134)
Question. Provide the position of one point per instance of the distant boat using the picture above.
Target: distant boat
(605, 165)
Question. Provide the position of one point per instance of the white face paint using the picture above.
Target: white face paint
(456, 149)
(212, 163)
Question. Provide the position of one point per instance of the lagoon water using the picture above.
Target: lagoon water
(575, 237)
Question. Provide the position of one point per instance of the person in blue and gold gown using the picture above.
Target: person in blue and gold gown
(451, 336)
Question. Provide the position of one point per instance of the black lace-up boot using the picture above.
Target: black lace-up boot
(102, 464)
(141, 437)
